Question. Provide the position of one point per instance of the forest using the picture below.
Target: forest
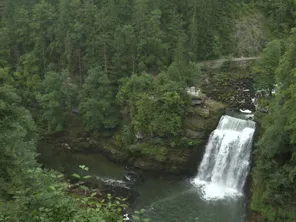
(124, 65)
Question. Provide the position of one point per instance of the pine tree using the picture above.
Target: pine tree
(97, 102)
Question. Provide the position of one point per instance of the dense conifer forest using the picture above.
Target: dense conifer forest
(132, 59)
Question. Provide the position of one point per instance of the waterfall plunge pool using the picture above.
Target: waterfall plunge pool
(168, 198)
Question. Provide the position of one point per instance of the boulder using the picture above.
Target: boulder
(206, 118)
(113, 153)
(235, 90)
(201, 111)
(196, 102)
(201, 124)
(148, 164)
(215, 106)
(132, 177)
(176, 162)
(193, 91)
(194, 134)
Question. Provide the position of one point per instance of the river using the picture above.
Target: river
(165, 198)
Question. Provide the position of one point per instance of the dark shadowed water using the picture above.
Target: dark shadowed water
(165, 198)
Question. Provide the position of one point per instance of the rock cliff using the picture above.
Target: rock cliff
(178, 155)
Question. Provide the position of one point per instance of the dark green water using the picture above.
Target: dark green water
(166, 198)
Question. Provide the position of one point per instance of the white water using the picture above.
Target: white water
(113, 182)
(225, 165)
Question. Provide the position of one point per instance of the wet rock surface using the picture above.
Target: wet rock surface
(234, 90)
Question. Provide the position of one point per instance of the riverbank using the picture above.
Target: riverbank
(166, 198)
(178, 155)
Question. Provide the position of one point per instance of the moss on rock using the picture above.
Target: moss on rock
(172, 154)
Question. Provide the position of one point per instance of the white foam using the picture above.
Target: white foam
(245, 111)
(114, 182)
(225, 165)
(214, 191)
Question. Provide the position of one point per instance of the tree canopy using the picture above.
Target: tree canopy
(274, 173)
(125, 65)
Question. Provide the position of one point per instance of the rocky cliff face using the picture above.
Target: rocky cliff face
(177, 155)
(234, 88)
(154, 154)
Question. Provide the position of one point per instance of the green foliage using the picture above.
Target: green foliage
(274, 174)
(160, 115)
(97, 102)
(27, 79)
(18, 136)
(155, 107)
(153, 151)
(250, 32)
(123, 37)
(185, 74)
(185, 142)
(281, 15)
(267, 64)
(47, 201)
(4, 76)
(138, 216)
(132, 87)
(99, 42)
(54, 99)
(209, 27)
(30, 194)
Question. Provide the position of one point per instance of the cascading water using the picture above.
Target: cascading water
(226, 161)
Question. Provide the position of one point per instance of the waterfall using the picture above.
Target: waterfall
(226, 161)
